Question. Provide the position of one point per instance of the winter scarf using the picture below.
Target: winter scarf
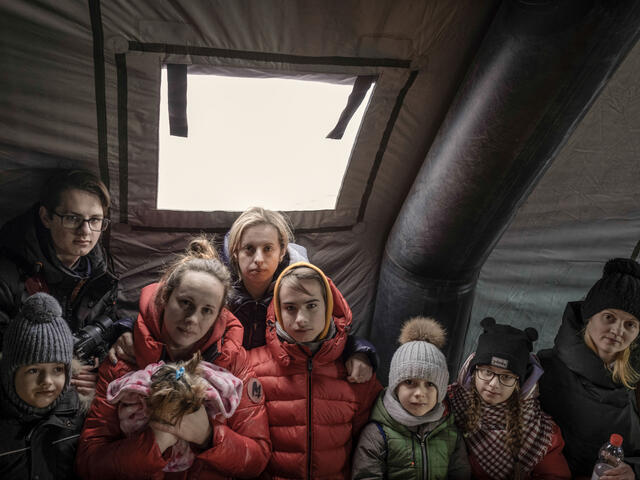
(395, 409)
(129, 391)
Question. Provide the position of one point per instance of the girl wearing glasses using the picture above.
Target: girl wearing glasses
(495, 402)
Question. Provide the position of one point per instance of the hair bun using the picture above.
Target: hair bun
(423, 329)
(41, 308)
(624, 266)
(201, 247)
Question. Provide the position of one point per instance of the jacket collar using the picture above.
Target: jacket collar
(149, 345)
(569, 346)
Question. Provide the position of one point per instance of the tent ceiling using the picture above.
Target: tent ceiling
(52, 106)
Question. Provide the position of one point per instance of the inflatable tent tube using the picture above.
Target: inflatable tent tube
(538, 70)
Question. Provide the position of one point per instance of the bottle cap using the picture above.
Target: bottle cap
(615, 440)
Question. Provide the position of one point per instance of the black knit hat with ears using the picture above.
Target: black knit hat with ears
(618, 288)
(38, 334)
(504, 346)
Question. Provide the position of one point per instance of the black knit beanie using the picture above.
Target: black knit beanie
(618, 288)
(38, 334)
(504, 346)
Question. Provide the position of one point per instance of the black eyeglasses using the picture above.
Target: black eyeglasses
(73, 222)
(504, 378)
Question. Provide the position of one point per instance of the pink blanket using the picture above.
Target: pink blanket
(129, 392)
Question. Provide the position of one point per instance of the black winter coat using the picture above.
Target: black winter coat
(578, 392)
(40, 448)
(26, 254)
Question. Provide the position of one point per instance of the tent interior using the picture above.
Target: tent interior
(495, 167)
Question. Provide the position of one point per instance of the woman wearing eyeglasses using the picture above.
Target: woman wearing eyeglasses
(496, 407)
(54, 248)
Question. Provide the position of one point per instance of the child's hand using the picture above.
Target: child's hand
(359, 370)
(84, 379)
(621, 472)
(193, 428)
(123, 349)
(164, 439)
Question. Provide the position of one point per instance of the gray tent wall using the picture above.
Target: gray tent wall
(537, 71)
(80, 88)
(584, 211)
(74, 93)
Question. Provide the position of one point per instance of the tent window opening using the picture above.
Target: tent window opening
(258, 141)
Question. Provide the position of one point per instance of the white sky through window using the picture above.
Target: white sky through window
(255, 141)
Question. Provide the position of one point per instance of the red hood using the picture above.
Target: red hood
(330, 350)
(149, 344)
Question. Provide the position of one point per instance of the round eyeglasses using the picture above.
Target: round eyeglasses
(73, 222)
(504, 378)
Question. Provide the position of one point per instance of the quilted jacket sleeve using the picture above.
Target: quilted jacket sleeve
(103, 450)
(369, 393)
(241, 447)
(370, 454)
(459, 468)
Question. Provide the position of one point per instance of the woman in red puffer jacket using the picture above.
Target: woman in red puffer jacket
(182, 314)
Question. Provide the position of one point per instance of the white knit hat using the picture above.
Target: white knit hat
(419, 356)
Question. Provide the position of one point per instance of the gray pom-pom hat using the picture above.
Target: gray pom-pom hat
(38, 334)
(419, 356)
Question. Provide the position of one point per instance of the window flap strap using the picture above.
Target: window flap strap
(360, 88)
(177, 99)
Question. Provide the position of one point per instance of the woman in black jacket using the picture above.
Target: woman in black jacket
(588, 384)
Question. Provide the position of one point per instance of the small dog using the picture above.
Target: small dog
(165, 393)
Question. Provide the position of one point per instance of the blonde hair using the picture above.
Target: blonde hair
(622, 371)
(258, 216)
(199, 256)
(514, 423)
(172, 396)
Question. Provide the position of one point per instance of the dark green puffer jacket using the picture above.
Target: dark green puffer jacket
(404, 454)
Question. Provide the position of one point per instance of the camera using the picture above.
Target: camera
(93, 340)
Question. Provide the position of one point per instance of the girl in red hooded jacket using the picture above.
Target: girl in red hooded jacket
(182, 314)
(314, 412)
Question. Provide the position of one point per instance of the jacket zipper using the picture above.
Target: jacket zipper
(309, 422)
(423, 447)
(254, 325)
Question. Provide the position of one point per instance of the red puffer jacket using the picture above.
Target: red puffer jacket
(241, 446)
(314, 412)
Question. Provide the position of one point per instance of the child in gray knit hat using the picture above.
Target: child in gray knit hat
(39, 414)
(412, 435)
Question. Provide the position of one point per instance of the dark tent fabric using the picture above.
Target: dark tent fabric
(80, 87)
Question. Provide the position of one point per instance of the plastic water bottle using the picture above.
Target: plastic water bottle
(609, 456)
